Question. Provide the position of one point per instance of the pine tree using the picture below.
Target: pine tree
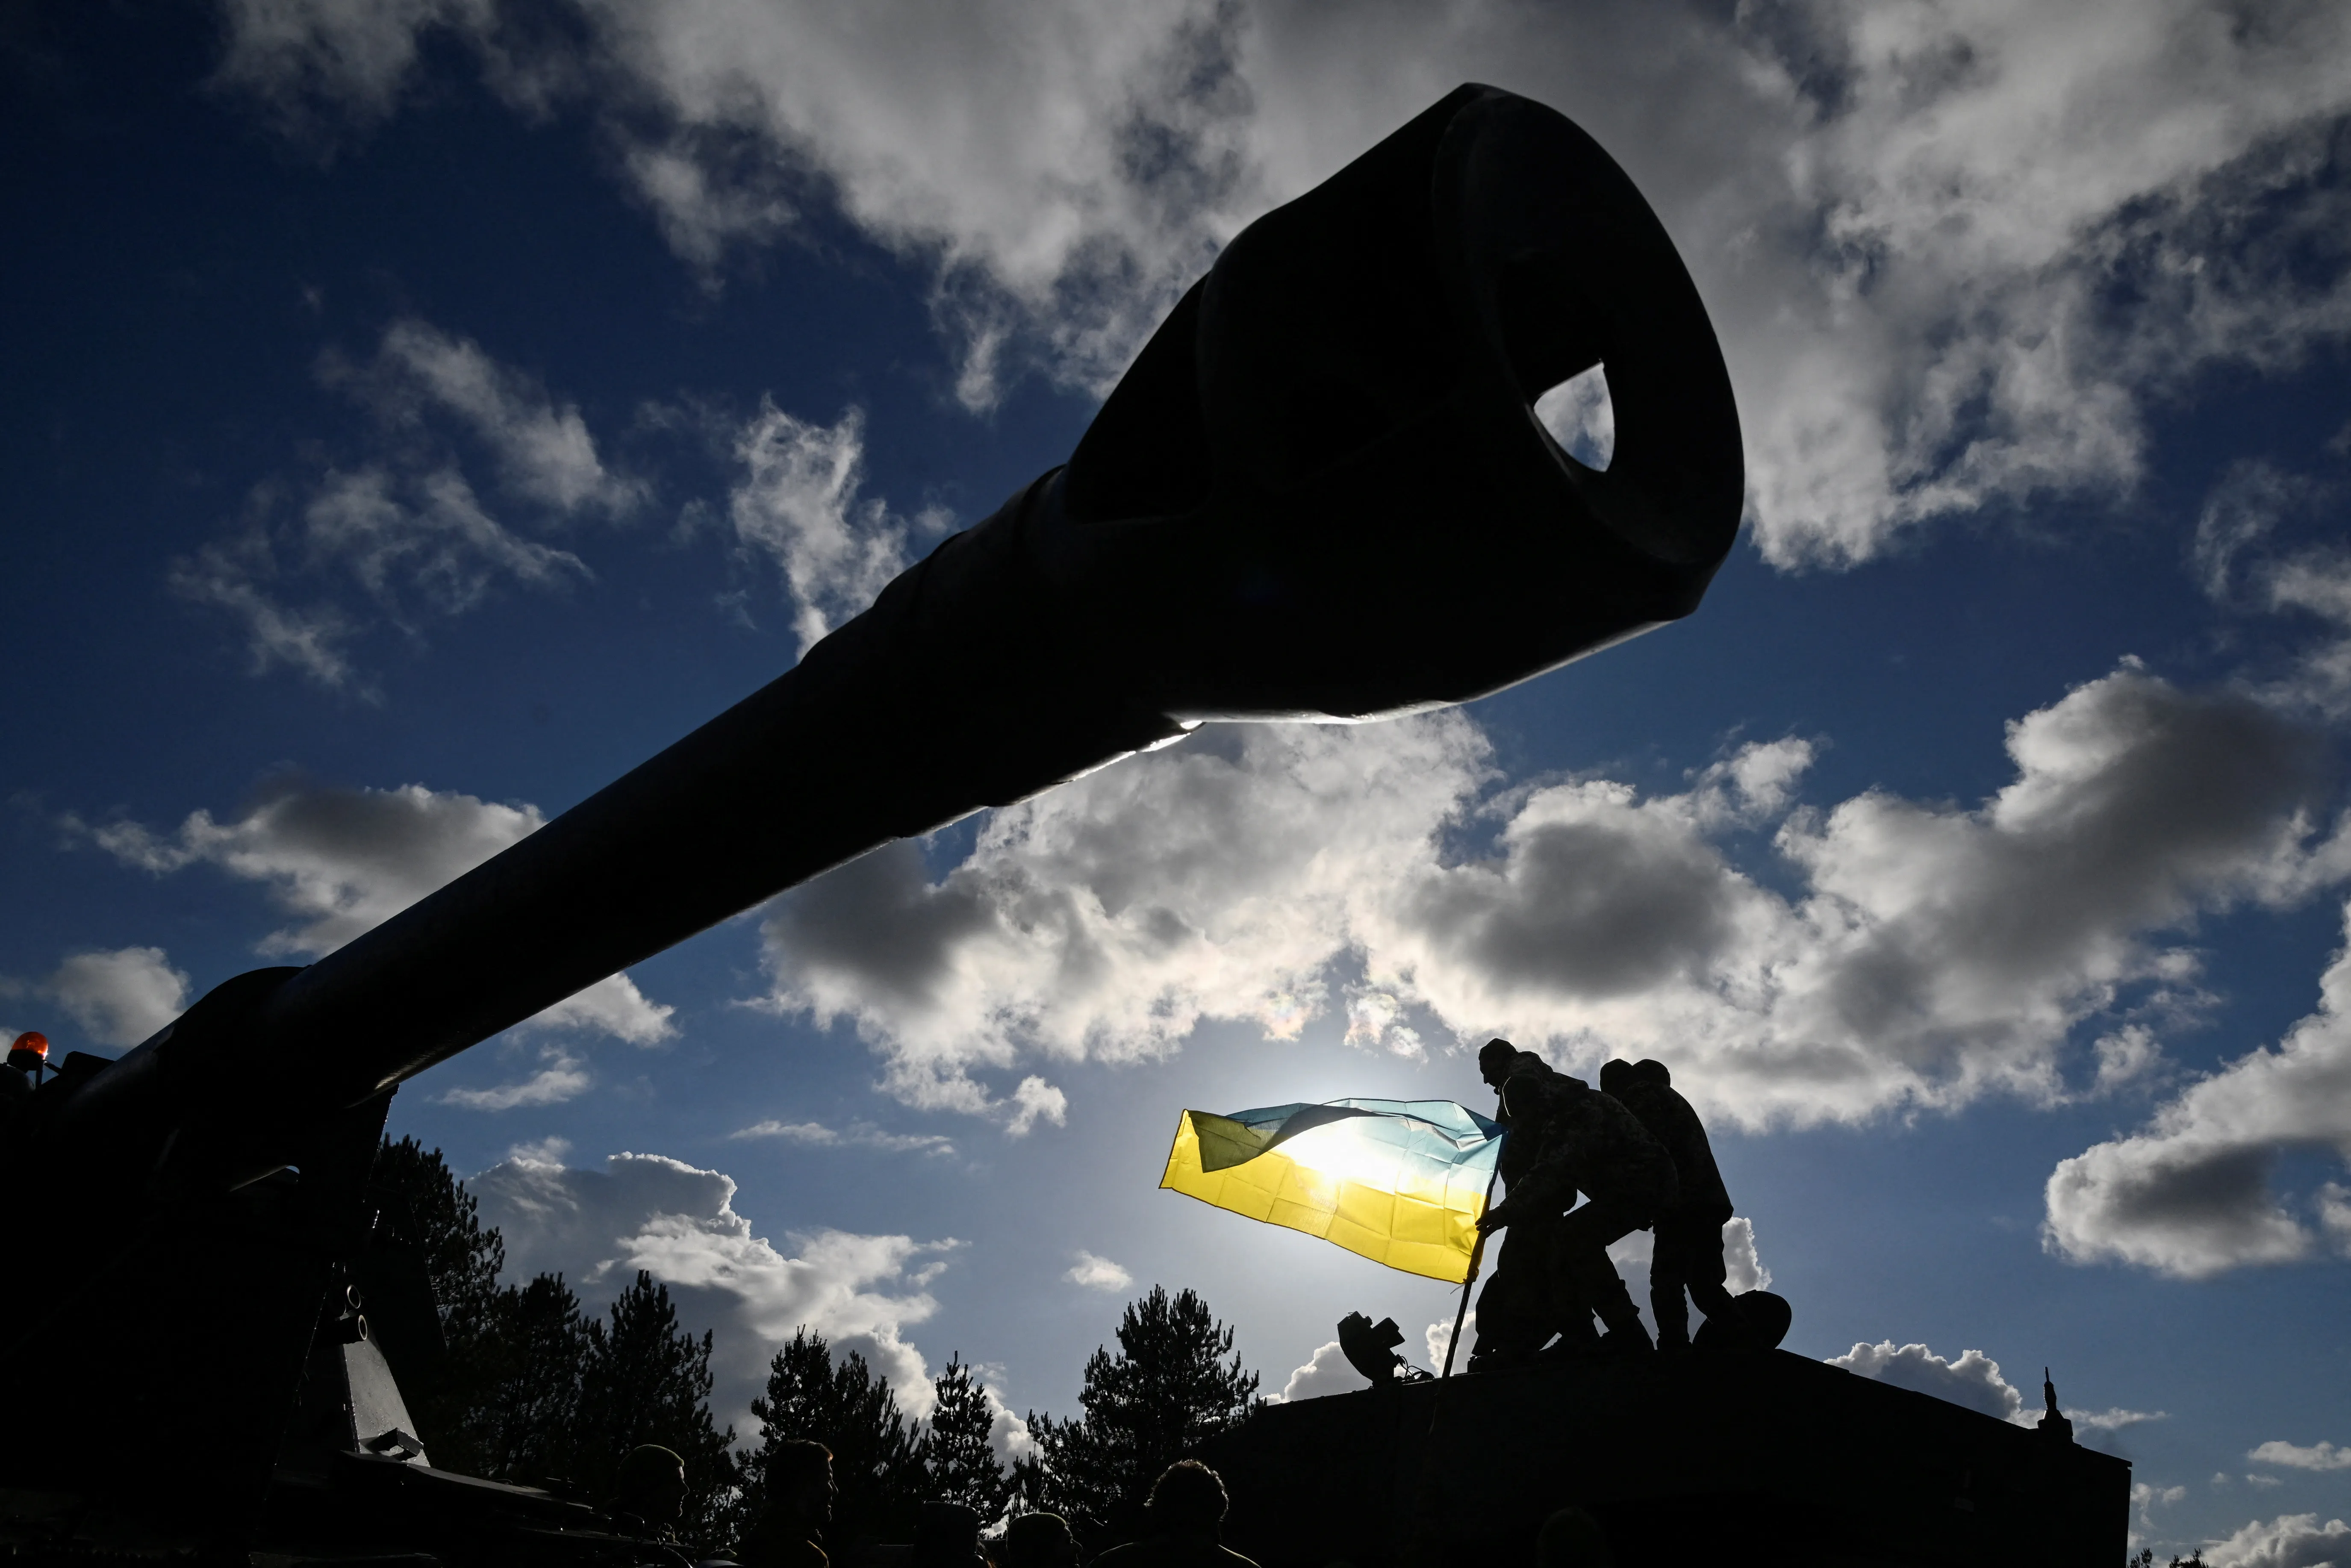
(424, 1213)
(527, 1412)
(645, 1380)
(851, 1410)
(528, 1388)
(1165, 1393)
(958, 1451)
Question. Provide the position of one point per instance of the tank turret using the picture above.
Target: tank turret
(1321, 492)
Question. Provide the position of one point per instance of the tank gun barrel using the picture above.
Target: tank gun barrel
(1320, 492)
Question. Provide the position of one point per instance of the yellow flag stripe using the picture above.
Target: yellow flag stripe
(1381, 1202)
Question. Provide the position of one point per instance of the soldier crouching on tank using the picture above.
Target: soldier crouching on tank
(1524, 1302)
(1593, 1143)
(1688, 1251)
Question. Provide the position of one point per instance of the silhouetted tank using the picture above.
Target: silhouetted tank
(1321, 492)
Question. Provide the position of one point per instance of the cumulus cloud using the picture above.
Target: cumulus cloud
(598, 1226)
(1097, 1273)
(1326, 1371)
(341, 861)
(119, 998)
(797, 502)
(857, 1134)
(2292, 1456)
(1973, 1379)
(1743, 1270)
(2289, 1541)
(1955, 254)
(2191, 1193)
(1924, 954)
(400, 534)
(1438, 1335)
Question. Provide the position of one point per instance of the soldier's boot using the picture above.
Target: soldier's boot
(1671, 1313)
(1722, 1313)
(1627, 1335)
(1577, 1338)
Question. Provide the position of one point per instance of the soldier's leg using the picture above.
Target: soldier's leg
(1703, 1266)
(1667, 1272)
(1565, 1307)
(1584, 1239)
(1511, 1321)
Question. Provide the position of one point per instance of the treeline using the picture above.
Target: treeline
(529, 1389)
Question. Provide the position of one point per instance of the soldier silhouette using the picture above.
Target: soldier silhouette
(1525, 1301)
(1595, 1144)
(1688, 1251)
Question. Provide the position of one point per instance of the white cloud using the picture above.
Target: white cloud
(1743, 1270)
(597, 1226)
(306, 57)
(1326, 1371)
(234, 575)
(857, 1134)
(409, 541)
(1109, 916)
(2246, 552)
(400, 534)
(119, 998)
(2116, 1418)
(2190, 1194)
(341, 861)
(1034, 1100)
(797, 503)
(2289, 1541)
(2335, 1216)
(612, 1006)
(564, 1077)
(2263, 1482)
(1439, 1335)
(2149, 1497)
(542, 451)
(1955, 252)
(1972, 1380)
(2292, 1456)
(1097, 1273)
(1928, 955)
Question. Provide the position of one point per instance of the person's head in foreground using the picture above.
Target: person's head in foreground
(650, 1485)
(1039, 1541)
(1573, 1539)
(1189, 1498)
(800, 1483)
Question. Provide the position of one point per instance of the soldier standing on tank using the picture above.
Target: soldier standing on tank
(1689, 1250)
(1522, 1305)
(1595, 1144)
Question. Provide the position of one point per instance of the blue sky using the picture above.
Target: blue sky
(418, 414)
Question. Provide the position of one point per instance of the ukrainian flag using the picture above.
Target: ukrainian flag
(1402, 1182)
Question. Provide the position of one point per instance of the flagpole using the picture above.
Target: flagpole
(1476, 1256)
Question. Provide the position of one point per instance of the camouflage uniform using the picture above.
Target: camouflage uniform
(1688, 1251)
(1522, 1304)
(1593, 1144)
